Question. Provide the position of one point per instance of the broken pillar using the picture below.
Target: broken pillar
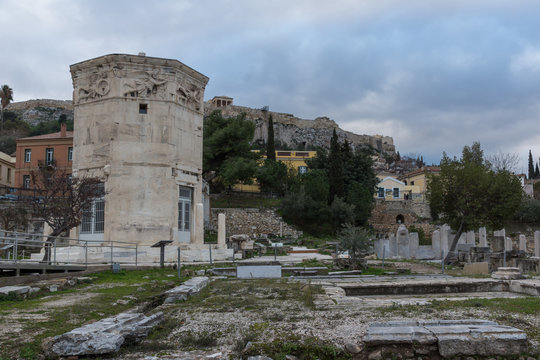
(471, 238)
(436, 242)
(402, 237)
(508, 244)
(482, 237)
(221, 230)
(414, 242)
(537, 243)
(522, 243)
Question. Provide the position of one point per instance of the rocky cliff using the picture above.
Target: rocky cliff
(295, 132)
(298, 133)
(41, 110)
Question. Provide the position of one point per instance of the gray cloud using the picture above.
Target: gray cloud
(434, 75)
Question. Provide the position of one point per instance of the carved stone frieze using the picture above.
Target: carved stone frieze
(145, 81)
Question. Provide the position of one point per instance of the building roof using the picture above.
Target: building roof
(429, 169)
(7, 158)
(56, 135)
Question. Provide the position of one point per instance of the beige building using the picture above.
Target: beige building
(139, 127)
(7, 170)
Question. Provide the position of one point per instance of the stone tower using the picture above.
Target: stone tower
(139, 127)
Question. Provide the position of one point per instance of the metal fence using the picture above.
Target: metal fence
(19, 247)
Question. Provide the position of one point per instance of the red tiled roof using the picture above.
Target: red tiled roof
(56, 135)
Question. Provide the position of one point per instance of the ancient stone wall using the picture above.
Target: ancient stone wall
(297, 133)
(385, 215)
(251, 221)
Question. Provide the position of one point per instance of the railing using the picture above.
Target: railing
(22, 248)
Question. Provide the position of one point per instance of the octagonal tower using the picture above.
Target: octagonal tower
(139, 127)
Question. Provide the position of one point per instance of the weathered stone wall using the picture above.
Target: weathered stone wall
(41, 110)
(385, 214)
(296, 132)
(251, 221)
(139, 128)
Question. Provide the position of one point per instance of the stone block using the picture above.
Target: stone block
(452, 337)
(188, 288)
(507, 273)
(522, 243)
(476, 268)
(258, 270)
(16, 290)
(104, 336)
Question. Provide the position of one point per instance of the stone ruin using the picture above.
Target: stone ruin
(472, 247)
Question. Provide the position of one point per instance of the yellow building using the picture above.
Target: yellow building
(7, 170)
(417, 179)
(292, 158)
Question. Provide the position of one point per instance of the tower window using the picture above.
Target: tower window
(143, 108)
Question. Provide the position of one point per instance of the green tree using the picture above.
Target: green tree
(531, 166)
(335, 171)
(356, 241)
(270, 144)
(362, 198)
(468, 194)
(6, 96)
(227, 158)
(272, 176)
(537, 172)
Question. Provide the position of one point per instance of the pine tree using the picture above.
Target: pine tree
(335, 175)
(531, 166)
(270, 143)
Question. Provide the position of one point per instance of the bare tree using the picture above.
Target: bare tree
(59, 199)
(503, 162)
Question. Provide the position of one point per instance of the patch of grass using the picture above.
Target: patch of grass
(529, 305)
(236, 201)
(316, 242)
(315, 263)
(290, 344)
(140, 285)
(190, 340)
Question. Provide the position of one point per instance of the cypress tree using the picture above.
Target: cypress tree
(537, 172)
(531, 166)
(335, 175)
(270, 143)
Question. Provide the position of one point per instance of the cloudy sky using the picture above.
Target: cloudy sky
(434, 75)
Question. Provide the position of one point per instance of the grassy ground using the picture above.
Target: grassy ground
(277, 317)
(36, 320)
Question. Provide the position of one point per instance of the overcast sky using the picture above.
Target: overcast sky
(434, 75)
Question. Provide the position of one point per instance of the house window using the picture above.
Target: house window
(26, 181)
(49, 156)
(380, 192)
(70, 154)
(283, 153)
(143, 108)
(412, 182)
(395, 193)
(184, 208)
(8, 175)
(93, 219)
(302, 169)
(27, 155)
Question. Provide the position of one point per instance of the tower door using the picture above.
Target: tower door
(184, 214)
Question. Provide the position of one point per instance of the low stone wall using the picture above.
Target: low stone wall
(385, 214)
(252, 221)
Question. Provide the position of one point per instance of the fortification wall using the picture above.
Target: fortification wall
(297, 132)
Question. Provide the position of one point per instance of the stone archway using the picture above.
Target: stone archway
(400, 219)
